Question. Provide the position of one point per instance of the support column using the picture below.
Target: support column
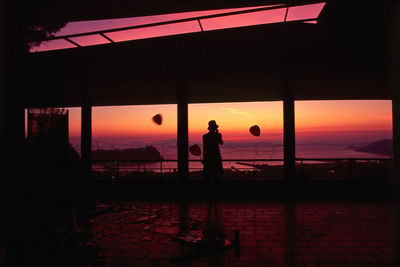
(183, 139)
(86, 140)
(14, 190)
(289, 138)
(396, 134)
(394, 186)
(395, 73)
(3, 184)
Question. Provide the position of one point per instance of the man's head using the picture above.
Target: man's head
(212, 125)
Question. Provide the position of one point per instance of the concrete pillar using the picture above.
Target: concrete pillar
(394, 187)
(395, 65)
(14, 189)
(183, 139)
(289, 152)
(86, 140)
(3, 184)
(396, 133)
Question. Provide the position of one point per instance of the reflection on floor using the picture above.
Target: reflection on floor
(247, 233)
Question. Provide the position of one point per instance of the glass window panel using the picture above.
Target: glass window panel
(123, 133)
(330, 132)
(240, 147)
(344, 123)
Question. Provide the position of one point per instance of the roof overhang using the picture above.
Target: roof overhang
(347, 55)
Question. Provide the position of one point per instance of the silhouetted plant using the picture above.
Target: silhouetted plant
(48, 125)
(32, 22)
(45, 111)
(36, 34)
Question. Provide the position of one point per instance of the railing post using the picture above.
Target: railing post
(302, 167)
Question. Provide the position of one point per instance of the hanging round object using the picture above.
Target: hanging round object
(157, 119)
(255, 130)
(195, 150)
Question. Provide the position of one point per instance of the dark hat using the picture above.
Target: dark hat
(212, 125)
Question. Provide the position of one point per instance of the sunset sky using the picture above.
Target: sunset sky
(345, 121)
(315, 120)
(344, 115)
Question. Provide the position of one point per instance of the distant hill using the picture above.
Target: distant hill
(134, 154)
(381, 147)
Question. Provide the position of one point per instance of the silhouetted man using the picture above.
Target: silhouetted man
(211, 155)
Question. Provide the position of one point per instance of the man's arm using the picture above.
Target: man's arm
(220, 141)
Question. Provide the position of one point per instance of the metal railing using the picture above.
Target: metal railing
(121, 167)
(341, 167)
(148, 165)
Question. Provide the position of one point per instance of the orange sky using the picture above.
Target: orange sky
(344, 115)
(235, 119)
(313, 118)
(137, 121)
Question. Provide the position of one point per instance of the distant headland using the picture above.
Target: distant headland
(135, 154)
(381, 147)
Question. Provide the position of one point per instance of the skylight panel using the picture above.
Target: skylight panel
(311, 21)
(91, 39)
(87, 33)
(155, 31)
(311, 11)
(108, 24)
(53, 45)
(246, 19)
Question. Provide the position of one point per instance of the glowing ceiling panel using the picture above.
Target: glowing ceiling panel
(91, 39)
(311, 21)
(246, 19)
(155, 31)
(108, 24)
(311, 11)
(87, 33)
(53, 45)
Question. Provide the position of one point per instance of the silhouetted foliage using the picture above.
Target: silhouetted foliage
(34, 21)
(36, 34)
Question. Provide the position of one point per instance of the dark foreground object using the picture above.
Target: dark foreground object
(347, 189)
(233, 223)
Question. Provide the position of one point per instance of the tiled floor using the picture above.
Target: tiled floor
(271, 234)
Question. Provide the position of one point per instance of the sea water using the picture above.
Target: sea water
(252, 154)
